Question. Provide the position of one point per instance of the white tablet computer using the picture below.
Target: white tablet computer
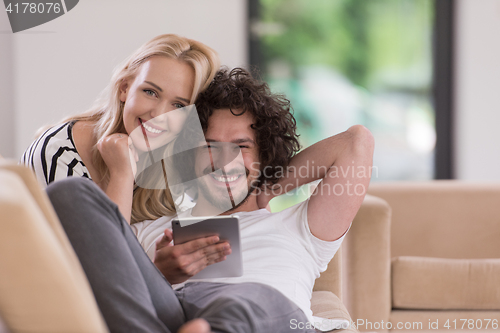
(227, 228)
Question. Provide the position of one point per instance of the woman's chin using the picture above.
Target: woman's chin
(140, 146)
(160, 141)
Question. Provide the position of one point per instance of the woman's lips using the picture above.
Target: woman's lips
(152, 131)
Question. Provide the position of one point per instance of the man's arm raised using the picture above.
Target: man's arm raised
(343, 162)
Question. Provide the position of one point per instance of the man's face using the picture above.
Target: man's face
(231, 150)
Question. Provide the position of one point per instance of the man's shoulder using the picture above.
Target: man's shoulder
(297, 212)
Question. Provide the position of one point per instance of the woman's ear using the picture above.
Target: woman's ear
(124, 86)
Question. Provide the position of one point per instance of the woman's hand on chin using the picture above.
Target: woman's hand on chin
(116, 152)
(119, 155)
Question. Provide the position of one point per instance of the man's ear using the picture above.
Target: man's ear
(124, 87)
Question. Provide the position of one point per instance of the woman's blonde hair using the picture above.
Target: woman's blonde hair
(107, 112)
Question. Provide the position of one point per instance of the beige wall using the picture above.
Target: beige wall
(59, 68)
(477, 90)
(6, 88)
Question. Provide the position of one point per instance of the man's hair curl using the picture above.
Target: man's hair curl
(274, 124)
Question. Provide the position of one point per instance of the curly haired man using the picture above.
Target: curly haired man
(284, 252)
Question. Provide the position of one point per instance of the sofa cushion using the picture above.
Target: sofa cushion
(456, 219)
(445, 284)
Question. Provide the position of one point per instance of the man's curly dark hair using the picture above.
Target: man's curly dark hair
(274, 124)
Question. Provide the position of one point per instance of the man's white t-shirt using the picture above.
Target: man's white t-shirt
(278, 250)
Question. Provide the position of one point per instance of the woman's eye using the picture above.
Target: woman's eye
(179, 105)
(150, 92)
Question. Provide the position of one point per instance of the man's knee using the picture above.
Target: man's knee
(81, 205)
(71, 189)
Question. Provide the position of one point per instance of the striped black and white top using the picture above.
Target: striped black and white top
(53, 156)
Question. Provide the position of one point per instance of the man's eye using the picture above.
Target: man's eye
(150, 92)
(241, 147)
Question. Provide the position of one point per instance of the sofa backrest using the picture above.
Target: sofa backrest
(42, 285)
(445, 219)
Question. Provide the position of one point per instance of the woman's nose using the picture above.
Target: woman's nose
(161, 109)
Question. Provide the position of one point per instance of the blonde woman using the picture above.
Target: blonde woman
(163, 75)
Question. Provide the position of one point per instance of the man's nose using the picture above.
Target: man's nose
(227, 156)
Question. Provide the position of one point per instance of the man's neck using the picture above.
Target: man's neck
(204, 208)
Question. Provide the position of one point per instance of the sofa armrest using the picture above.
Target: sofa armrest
(43, 287)
(366, 262)
(325, 304)
(331, 279)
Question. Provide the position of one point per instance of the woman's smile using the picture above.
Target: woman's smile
(150, 128)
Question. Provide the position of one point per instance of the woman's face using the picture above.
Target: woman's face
(152, 98)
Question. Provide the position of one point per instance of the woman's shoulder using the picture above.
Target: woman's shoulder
(84, 140)
(54, 154)
(83, 135)
(55, 136)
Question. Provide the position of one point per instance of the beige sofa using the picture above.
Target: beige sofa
(43, 287)
(441, 264)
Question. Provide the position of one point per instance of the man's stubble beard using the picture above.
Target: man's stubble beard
(223, 201)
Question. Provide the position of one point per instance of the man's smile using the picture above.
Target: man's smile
(226, 180)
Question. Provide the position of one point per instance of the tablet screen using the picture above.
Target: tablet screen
(227, 228)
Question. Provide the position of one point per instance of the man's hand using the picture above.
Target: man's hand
(180, 262)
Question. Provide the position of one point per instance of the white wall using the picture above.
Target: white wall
(477, 90)
(60, 67)
(6, 88)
